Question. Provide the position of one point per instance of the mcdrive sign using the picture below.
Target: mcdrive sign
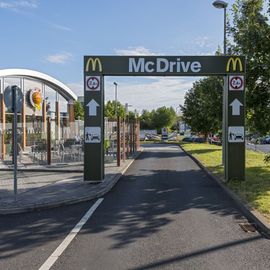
(164, 65)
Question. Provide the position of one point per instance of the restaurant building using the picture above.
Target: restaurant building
(46, 103)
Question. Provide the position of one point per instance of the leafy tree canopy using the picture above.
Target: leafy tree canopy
(113, 108)
(156, 119)
(202, 109)
(250, 32)
(78, 110)
(164, 117)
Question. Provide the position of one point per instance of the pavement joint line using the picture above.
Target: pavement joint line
(65, 243)
(251, 214)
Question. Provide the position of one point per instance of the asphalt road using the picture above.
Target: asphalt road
(165, 213)
(265, 148)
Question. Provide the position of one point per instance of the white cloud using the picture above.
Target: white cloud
(18, 4)
(203, 42)
(77, 88)
(140, 50)
(5, 5)
(61, 27)
(144, 93)
(150, 93)
(60, 58)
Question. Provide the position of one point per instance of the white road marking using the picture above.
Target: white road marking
(60, 249)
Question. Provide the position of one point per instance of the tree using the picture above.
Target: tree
(113, 108)
(250, 32)
(157, 119)
(78, 110)
(202, 109)
(163, 117)
(146, 119)
(131, 115)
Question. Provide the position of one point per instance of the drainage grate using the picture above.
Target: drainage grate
(248, 227)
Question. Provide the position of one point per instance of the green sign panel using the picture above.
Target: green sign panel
(96, 67)
(235, 127)
(164, 65)
(93, 128)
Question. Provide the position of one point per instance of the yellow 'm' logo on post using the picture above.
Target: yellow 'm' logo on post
(235, 64)
(94, 62)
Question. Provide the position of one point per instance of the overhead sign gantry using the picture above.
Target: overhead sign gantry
(96, 67)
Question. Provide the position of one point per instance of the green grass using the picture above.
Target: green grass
(255, 189)
(149, 142)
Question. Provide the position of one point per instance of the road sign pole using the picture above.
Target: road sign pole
(224, 120)
(118, 142)
(15, 145)
(225, 126)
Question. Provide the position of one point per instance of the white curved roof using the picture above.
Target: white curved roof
(61, 88)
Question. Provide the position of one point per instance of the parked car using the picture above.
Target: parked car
(214, 140)
(188, 139)
(267, 139)
(198, 139)
(260, 140)
(193, 138)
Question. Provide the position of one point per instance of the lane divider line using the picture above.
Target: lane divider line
(61, 248)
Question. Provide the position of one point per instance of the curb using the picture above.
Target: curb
(251, 214)
(45, 168)
(103, 190)
(42, 170)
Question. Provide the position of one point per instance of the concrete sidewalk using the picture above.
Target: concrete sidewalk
(45, 189)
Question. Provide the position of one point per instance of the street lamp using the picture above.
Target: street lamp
(115, 99)
(223, 5)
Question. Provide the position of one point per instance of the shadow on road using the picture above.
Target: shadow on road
(151, 206)
(140, 205)
(196, 253)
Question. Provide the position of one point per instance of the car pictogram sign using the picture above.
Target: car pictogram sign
(92, 135)
(236, 134)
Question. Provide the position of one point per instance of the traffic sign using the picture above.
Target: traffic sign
(8, 98)
(236, 83)
(236, 134)
(92, 105)
(92, 135)
(92, 83)
(164, 133)
(236, 104)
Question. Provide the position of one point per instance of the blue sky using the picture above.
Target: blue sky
(52, 36)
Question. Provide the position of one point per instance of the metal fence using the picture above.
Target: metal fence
(49, 143)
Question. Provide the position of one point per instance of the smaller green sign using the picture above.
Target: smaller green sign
(235, 160)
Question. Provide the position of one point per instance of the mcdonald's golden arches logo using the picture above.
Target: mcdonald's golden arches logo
(234, 64)
(95, 63)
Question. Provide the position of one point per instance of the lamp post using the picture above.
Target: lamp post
(118, 155)
(115, 99)
(223, 5)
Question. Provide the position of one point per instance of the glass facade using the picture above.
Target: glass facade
(44, 124)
